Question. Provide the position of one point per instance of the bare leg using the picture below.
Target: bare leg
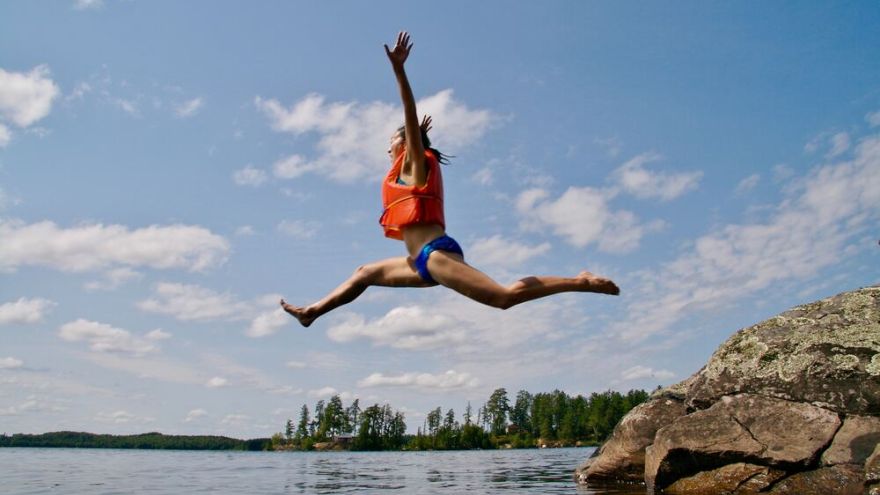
(392, 272)
(450, 270)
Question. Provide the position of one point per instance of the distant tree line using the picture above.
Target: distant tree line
(73, 439)
(553, 418)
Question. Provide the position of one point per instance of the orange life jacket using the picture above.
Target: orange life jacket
(408, 205)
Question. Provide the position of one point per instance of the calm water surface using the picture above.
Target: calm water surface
(106, 472)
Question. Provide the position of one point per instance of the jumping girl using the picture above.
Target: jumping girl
(412, 194)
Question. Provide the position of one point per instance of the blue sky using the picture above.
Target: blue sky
(169, 170)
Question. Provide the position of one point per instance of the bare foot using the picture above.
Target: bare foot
(601, 285)
(303, 315)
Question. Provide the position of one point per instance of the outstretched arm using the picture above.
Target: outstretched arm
(415, 149)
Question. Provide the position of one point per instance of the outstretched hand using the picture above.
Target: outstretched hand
(426, 124)
(398, 55)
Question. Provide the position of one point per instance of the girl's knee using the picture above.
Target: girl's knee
(503, 300)
(365, 274)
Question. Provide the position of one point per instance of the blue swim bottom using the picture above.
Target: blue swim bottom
(442, 243)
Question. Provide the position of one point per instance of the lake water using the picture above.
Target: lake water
(106, 472)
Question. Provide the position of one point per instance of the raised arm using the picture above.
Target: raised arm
(415, 149)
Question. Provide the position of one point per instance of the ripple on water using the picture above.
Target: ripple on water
(110, 472)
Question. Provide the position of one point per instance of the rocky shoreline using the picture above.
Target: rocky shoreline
(788, 406)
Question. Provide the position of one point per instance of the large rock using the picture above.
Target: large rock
(843, 479)
(826, 352)
(622, 457)
(790, 405)
(872, 472)
(854, 442)
(759, 430)
(733, 479)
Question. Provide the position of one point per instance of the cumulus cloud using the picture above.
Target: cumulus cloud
(634, 178)
(157, 334)
(457, 325)
(105, 338)
(812, 228)
(24, 310)
(873, 118)
(189, 108)
(450, 380)
(194, 303)
(268, 323)
(408, 327)
(583, 216)
(249, 176)
(195, 415)
(217, 382)
(10, 363)
(323, 392)
(98, 246)
(298, 229)
(113, 279)
(27, 97)
(499, 251)
(348, 131)
(640, 372)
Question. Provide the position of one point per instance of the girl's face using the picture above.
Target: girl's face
(397, 143)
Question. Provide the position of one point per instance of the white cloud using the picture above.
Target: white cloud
(292, 167)
(298, 229)
(105, 338)
(748, 184)
(195, 415)
(88, 4)
(268, 323)
(79, 92)
(408, 327)
(839, 144)
(128, 106)
(457, 325)
(32, 404)
(483, 176)
(189, 108)
(244, 231)
(98, 246)
(634, 178)
(323, 392)
(582, 216)
(165, 370)
(194, 303)
(873, 118)
(157, 334)
(349, 131)
(24, 311)
(26, 98)
(235, 419)
(808, 231)
(122, 417)
(296, 365)
(639, 372)
(9, 363)
(249, 176)
(217, 382)
(113, 279)
(450, 380)
(498, 251)
(782, 172)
